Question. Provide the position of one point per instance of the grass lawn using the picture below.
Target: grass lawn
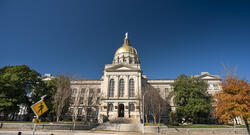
(196, 126)
(22, 122)
(206, 126)
(152, 124)
(61, 122)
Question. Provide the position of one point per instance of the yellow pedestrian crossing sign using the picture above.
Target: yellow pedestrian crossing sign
(39, 108)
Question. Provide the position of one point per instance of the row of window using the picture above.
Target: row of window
(131, 107)
(121, 88)
(83, 90)
(81, 100)
(215, 86)
(80, 111)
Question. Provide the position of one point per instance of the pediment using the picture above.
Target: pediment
(121, 67)
(209, 77)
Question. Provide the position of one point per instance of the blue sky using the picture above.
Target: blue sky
(171, 36)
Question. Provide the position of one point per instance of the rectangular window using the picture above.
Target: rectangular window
(216, 87)
(166, 92)
(74, 90)
(98, 100)
(110, 107)
(91, 91)
(83, 90)
(73, 100)
(210, 86)
(131, 107)
(81, 100)
(99, 90)
(80, 111)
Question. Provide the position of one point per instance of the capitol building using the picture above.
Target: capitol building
(118, 93)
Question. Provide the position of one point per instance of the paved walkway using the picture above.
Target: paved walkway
(91, 132)
(66, 132)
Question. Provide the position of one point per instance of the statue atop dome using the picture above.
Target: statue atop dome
(126, 54)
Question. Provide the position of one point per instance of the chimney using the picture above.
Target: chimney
(204, 73)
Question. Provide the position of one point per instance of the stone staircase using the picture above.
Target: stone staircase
(123, 121)
(120, 124)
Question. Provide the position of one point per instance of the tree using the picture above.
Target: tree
(62, 95)
(47, 88)
(191, 98)
(16, 84)
(91, 103)
(154, 104)
(234, 100)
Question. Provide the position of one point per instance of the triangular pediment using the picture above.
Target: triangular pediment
(121, 67)
(209, 77)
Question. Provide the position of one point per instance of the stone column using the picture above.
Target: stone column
(136, 80)
(116, 79)
(139, 91)
(126, 115)
(126, 81)
(105, 86)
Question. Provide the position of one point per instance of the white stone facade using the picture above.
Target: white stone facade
(119, 92)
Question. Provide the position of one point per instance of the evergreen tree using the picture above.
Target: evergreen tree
(16, 82)
(191, 98)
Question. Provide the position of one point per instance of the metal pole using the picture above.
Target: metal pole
(143, 121)
(34, 127)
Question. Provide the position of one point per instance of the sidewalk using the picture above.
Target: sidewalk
(65, 132)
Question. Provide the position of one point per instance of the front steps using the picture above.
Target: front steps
(123, 121)
(119, 127)
(120, 124)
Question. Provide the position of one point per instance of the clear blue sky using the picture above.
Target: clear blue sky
(171, 36)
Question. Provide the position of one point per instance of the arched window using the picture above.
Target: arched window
(74, 91)
(121, 88)
(111, 88)
(131, 88)
(110, 107)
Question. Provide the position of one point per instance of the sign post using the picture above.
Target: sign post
(38, 108)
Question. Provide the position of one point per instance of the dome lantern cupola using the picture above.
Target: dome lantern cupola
(126, 54)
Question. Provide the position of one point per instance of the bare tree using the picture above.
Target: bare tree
(91, 103)
(75, 103)
(162, 107)
(62, 94)
(154, 104)
(229, 71)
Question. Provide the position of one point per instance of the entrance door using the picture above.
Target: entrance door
(121, 110)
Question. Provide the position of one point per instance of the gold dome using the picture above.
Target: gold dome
(126, 47)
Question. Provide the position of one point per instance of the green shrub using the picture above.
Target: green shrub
(173, 119)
